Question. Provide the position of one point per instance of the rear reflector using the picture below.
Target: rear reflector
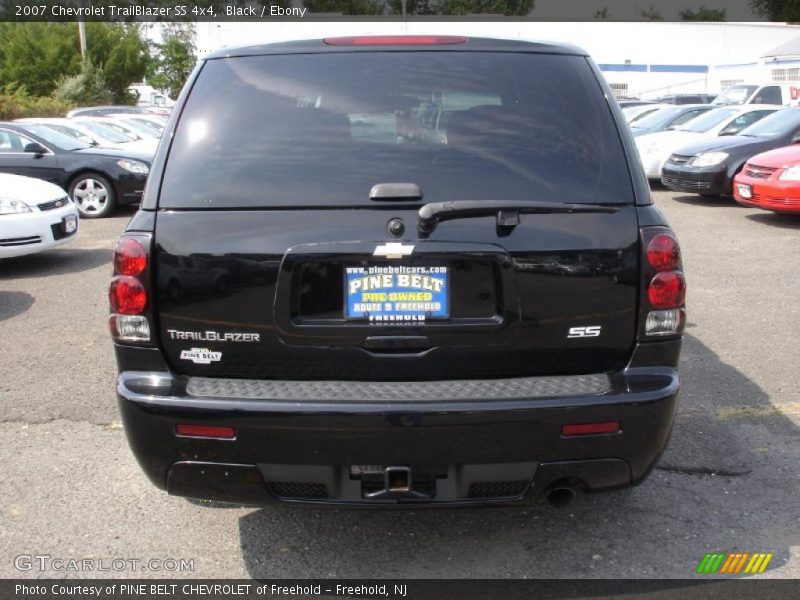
(590, 428)
(205, 431)
(395, 40)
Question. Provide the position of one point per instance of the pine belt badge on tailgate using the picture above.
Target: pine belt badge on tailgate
(201, 356)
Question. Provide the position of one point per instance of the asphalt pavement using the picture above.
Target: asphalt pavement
(70, 488)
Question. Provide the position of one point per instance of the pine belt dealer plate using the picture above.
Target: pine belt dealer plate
(396, 294)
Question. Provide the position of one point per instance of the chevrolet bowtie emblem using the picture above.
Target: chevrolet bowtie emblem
(393, 250)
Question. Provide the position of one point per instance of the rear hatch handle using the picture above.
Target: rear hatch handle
(507, 211)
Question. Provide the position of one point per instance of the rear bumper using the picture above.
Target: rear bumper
(477, 450)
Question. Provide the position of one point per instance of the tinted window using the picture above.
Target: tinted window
(125, 132)
(658, 118)
(53, 137)
(634, 113)
(140, 129)
(12, 142)
(744, 121)
(708, 120)
(736, 94)
(70, 132)
(776, 124)
(768, 95)
(686, 117)
(323, 129)
(151, 125)
(107, 133)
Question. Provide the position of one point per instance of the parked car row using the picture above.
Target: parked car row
(749, 151)
(781, 94)
(667, 117)
(686, 99)
(100, 156)
(655, 148)
(104, 111)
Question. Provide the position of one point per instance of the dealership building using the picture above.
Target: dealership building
(645, 59)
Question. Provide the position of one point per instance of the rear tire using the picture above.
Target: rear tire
(93, 194)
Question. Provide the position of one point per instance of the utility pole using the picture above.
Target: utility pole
(82, 36)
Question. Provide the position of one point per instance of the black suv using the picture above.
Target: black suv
(397, 270)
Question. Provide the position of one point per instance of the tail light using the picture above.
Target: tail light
(127, 295)
(667, 289)
(664, 290)
(663, 252)
(130, 257)
(128, 291)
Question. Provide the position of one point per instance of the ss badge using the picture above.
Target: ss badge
(583, 332)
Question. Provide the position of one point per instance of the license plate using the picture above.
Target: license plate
(396, 294)
(745, 191)
(70, 224)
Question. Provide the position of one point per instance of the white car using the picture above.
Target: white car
(632, 113)
(67, 127)
(656, 148)
(144, 123)
(34, 216)
(94, 133)
(133, 140)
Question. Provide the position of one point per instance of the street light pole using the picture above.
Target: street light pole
(82, 36)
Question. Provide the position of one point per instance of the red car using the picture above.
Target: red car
(771, 181)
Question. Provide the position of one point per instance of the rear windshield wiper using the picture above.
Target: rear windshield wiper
(507, 211)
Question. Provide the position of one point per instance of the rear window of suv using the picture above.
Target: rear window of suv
(322, 129)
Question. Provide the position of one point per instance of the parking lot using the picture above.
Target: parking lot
(728, 482)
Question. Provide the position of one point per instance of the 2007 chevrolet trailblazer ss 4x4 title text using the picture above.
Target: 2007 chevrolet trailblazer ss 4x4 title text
(415, 270)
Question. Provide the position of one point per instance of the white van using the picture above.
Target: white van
(787, 94)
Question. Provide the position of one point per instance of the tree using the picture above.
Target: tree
(519, 8)
(413, 7)
(87, 88)
(777, 10)
(175, 59)
(702, 14)
(39, 55)
(651, 14)
(120, 50)
(345, 7)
